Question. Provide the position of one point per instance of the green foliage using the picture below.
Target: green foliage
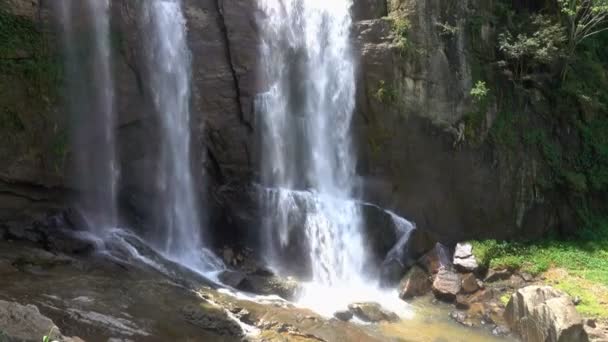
(446, 29)
(585, 18)
(401, 28)
(504, 132)
(586, 252)
(531, 44)
(385, 94)
(479, 91)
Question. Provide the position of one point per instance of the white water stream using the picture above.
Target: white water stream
(169, 65)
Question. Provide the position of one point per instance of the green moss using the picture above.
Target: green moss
(505, 132)
(25, 53)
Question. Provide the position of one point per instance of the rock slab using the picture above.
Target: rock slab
(372, 312)
(544, 314)
(447, 284)
(415, 283)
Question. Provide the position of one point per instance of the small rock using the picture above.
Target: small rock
(527, 277)
(344, 315)
(446, 285)
(464, 260)
(415, 283)
(463, 250)
(460, 317)
(462, 303)
(576, 300)
(466, 265)
(469, 283)
(500, 331)
(372, 312)
(591, 323)
(496, 275)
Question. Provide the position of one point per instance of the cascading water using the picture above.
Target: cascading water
(169, 67)
(308, 169)
(91, 103)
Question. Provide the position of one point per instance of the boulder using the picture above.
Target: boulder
(25, 323)
(447, 284)
(470, 283)
(372, 312)
(435, 259)
(264, 283)
(544, 314)
(415, 283)
(463, 250)
(497, 275)
(464, 260)
(461, 317)
(344, 315)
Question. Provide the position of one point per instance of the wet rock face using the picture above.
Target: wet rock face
(544, 314)
(410, 128)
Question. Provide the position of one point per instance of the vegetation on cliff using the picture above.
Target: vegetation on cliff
(30, 85)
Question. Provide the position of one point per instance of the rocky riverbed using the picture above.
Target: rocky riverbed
(50, 280)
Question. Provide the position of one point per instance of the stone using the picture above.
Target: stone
(497, 275)
(447, 284)
(344, 315)
(470, 283)
(25, 323)
(463, 250)
(287, 288)
(527, 277)
(466, 265)
(544, 314)
(500, 330)
(372, 312)
(464, 260)
(460, 317)
(435, 259)
(415, 283)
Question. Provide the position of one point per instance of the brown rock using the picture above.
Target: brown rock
(496, 275)
(544, 314)
(415, 283)
(447, 285)
(469, 283)
(372, 312)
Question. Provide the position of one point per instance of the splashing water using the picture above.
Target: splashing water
(308, 168)
(306, 117)
(169, 67)
(91, 103)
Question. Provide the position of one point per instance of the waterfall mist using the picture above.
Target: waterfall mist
(85, 26)
(169, 68)
(305, 120)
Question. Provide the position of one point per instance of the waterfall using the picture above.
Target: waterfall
(169, 66)
(85, 27)
(305, 120)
